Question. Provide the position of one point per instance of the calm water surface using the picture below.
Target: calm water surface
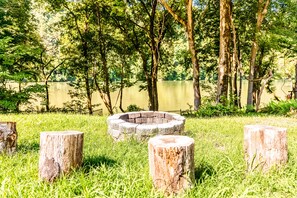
(173, 95)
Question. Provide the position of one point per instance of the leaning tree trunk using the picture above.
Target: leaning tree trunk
(196, 67)
(263, 84)
(171, 160)
(8, 137)
(60, 153)
(262, 11)
(189, 27)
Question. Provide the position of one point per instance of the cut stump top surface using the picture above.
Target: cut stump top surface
(263, 127)
(61, 133)
(171, 141)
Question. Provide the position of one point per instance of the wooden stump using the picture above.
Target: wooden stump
(8, 137)
(265, 146)
(60, 152)
(171, 160)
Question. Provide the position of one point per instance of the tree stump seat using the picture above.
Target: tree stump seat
(60, 153)
(8, 137)
(265, 147)
(171, 162)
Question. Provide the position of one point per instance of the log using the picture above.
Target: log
(60, 153)
(265, 147)
(171, 161)
(8, 137)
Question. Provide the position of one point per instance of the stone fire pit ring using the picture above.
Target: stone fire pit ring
(142, 125)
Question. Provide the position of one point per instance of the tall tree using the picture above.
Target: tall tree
(224, 67)
(19, 45)
(188, 24)
(261, 13)
(148, 25)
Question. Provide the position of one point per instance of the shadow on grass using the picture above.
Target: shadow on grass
(203, 171)
(28, 147)
(92, 162)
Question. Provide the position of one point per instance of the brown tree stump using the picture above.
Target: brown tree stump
(265, 146)
(8, 137)
(171, 160)
(60, 152)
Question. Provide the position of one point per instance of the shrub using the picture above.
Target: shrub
(133, 107)
(288, 107)
(211, 110)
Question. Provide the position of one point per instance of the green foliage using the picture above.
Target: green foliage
(211, 110)
(288, 108)
(12, 100)
(133, 107)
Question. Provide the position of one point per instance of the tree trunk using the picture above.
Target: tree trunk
(224, 59)
(60, 153)
(47, 105)
(235, 64)
(263, 83)
(147, 77)
(122, 89)
(257, 77)
(240, 74)
(262, 11)
(189, 27)
(196, 68)
(295, 88)
(154, 104)
(89, 94)
(265, 147)
(106, 82)
(8, 137)
(171, 160)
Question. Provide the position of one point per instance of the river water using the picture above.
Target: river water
(173, 95)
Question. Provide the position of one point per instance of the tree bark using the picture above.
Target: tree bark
(265, 147)
(171, 160)
(47, 105)
(154, 103)
(257, 78)
(8, 137)
(147, 77)
(224, 59)
(89, 94)
(240, 69)
(60, 153)
(295, 88)
(262, 11)
(263, 83)
(189, 27)
(235, 64)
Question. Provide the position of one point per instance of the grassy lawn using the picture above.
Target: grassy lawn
(121, 169)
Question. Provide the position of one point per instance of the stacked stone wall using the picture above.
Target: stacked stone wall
(144, 124)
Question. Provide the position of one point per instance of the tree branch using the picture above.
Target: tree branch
(175, 16)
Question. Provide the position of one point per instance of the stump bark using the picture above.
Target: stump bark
(8, 137)
(265, 147)
(60, 152)
(171, 161)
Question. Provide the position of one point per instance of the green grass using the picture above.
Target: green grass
(121, 169)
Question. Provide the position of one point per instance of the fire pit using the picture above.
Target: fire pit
(144, 124)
